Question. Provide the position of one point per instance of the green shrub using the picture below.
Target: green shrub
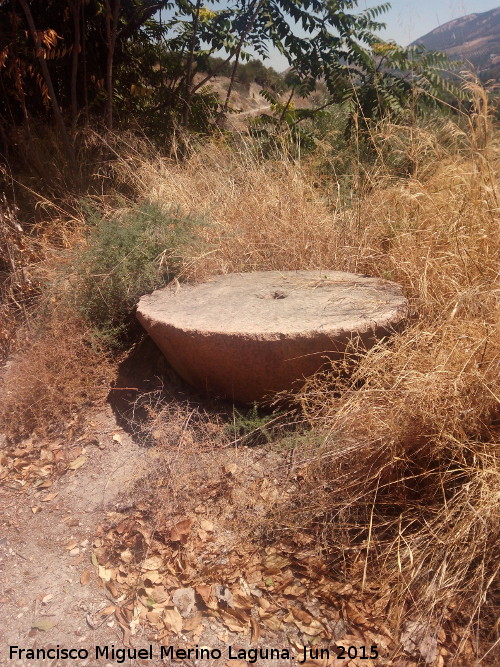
(251, 428)
(125, 258)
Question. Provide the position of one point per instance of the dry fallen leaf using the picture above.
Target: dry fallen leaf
(242, 601)
(418, 639)
(207, 525)
(71, 545)
(205, 592)
(193, 623)
(85, 577)
(43, 624)
(272, 622)
(78, 462)
(104, 574)
(126, 556)
(255, 631)
(172, 620)
(154, 617)
(305, 622)
(269, 493)
(160, 595)
(110, 586)
(50, 497)
(153, 576)
(117, 437)
(181, 530)
(234, 624)
(355, 616)
(107, 611)
(152, 563)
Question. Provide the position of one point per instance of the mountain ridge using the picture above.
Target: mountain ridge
(473, 39)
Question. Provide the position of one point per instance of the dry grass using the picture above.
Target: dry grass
(412, 439)
(407, 475)
(259, 212)
(58, 373)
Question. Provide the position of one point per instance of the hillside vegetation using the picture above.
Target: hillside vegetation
(378, 484)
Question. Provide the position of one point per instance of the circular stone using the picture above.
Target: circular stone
(245, 336)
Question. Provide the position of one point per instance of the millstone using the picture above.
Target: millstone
(245, 336)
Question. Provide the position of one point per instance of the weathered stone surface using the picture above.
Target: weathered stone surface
(245, 336)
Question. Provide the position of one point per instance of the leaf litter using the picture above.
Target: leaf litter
(185, 578)
(36, 462)
(284, 590)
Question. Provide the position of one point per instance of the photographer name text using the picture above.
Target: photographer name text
(250, 655)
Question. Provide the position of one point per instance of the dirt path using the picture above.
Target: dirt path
(43, 554)
(238, 121)
(254, 112)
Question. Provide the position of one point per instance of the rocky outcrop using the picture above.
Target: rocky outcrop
(246, 336)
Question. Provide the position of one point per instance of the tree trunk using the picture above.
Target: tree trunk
(248, 27)
(231, 83)
(286, 107)
(189, 69)
(48, 82)
(4, 152)
(112, 15)
(84, 62)
(75, 8)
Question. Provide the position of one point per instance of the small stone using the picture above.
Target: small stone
(223, 594)
(185, 601)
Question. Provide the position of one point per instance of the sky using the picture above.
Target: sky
(407, 19)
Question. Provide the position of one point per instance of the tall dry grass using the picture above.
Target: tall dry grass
(59, 372)
(407, 474)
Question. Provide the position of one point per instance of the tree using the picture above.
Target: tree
(48, 81)
(335, 37)
(76, 10)
(112, 16)
(135, 63)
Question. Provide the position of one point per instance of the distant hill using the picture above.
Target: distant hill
(474, 38)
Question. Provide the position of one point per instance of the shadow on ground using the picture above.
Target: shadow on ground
(144, 379)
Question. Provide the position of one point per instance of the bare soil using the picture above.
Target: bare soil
(39, 573)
